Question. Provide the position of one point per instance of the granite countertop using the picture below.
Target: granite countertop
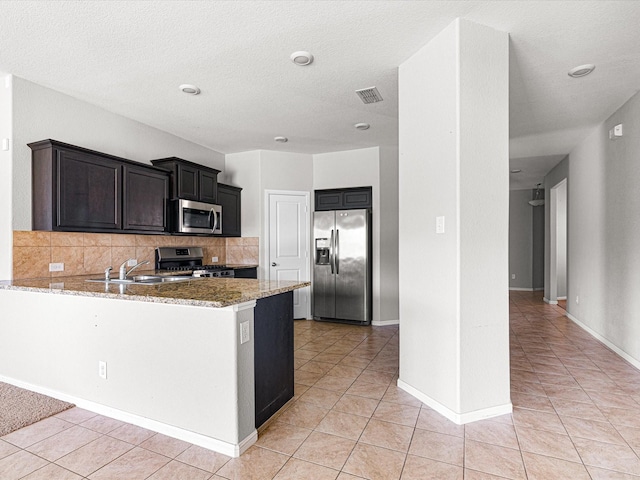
(204, 292)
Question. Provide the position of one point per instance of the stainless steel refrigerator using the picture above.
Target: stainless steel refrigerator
(342, 266)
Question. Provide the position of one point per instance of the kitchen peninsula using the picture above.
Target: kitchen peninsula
(179, 356)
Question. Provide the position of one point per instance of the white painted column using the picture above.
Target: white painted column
(454, 149)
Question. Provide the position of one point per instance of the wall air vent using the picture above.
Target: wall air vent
(369, 95)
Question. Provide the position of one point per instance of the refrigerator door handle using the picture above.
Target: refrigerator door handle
(337, 254)
(331, 253)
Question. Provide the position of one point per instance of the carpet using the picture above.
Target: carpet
(20, 407)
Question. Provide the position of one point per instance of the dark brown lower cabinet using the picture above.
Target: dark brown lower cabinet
(251, 272)
(273, 354)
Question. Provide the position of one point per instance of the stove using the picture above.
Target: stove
(188, 259)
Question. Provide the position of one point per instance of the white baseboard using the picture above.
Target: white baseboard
(384, 323)
(538, 289)
(550, 302)
(562, 298)
(518, 289)
(198, 439)
(458, 418)
(599, 337)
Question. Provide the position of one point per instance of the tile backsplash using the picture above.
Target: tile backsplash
(91, 253)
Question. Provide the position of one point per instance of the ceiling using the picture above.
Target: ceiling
(129, 57)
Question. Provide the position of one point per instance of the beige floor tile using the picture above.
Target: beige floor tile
(602, 474)
(570, 408)
(395, 394)
(347, 476)
(167, 446)
(372, 462)
(387, 435)
(419, 468)
(538, 420)
(314, 366)
(620, 458)
(541, 467)
(336, 384)
(495, 460)
(344, 371)
(304, 415)
(366, 389)
(475, 475)
(37, 432)
(255, 464)
(431, 420)
(307, 378)
(20, 464)
(343, 424)
(131, 434)
(547, 443)
(532, 402)
(94, 455)
(320, 396)
(438, 446)
(324, 449)
(76, 415)
(592, 430)
(356, 405)
(52, 472)
(622, 416)
(62, 443)
(397, 413)
(136, 464)
(175, 470)
(305, 354)
(495, 433)
(296, 469)
(203, 459)
(574, 394)
(373, 376)
(329, 357)
(102, 424)
(7, 449)
(605, 399)
(282, 437)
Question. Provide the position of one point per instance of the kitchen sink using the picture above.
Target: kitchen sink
(145, 279)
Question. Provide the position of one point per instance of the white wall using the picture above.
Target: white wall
(40, 113)
(604, 232)
(454, 345)
(261, 170)
(6, 189)
(561, 239)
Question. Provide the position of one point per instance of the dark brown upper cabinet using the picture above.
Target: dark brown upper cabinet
(77, 189)
(230, 199)
(343, 198)
(190, 181)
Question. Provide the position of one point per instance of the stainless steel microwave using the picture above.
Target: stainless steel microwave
(196, 217)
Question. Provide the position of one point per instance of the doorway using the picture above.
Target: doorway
(287, 243)
(558, 244)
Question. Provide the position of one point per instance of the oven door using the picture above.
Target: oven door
(197, 217)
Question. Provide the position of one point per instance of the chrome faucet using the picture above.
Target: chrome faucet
(122, 274)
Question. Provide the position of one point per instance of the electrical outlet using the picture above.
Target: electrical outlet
(439, 224)
(577, 299)
(102, 369)
(513, 276)
(214, 259)
(132, 262)
(56, 267)
(245, 334)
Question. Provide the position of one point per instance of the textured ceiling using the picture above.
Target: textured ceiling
(130, 56)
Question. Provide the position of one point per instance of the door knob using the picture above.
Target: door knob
(274, 264)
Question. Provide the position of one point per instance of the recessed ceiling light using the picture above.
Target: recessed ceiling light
(301, 58)
(362, 126)
(281, 139)
(516, 170)
(582, 70)
(190, 89)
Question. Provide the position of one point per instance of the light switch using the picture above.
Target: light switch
(5, 144)
(439, 224)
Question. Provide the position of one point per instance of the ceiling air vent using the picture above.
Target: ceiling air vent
(369, 95)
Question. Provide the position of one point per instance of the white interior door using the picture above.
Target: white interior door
(288, 249)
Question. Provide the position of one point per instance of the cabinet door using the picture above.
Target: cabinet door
(88, 192)
(145, 198)
(356, 198)
(208, 184)
(230, 199)
(188, 182)
(328, 200)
